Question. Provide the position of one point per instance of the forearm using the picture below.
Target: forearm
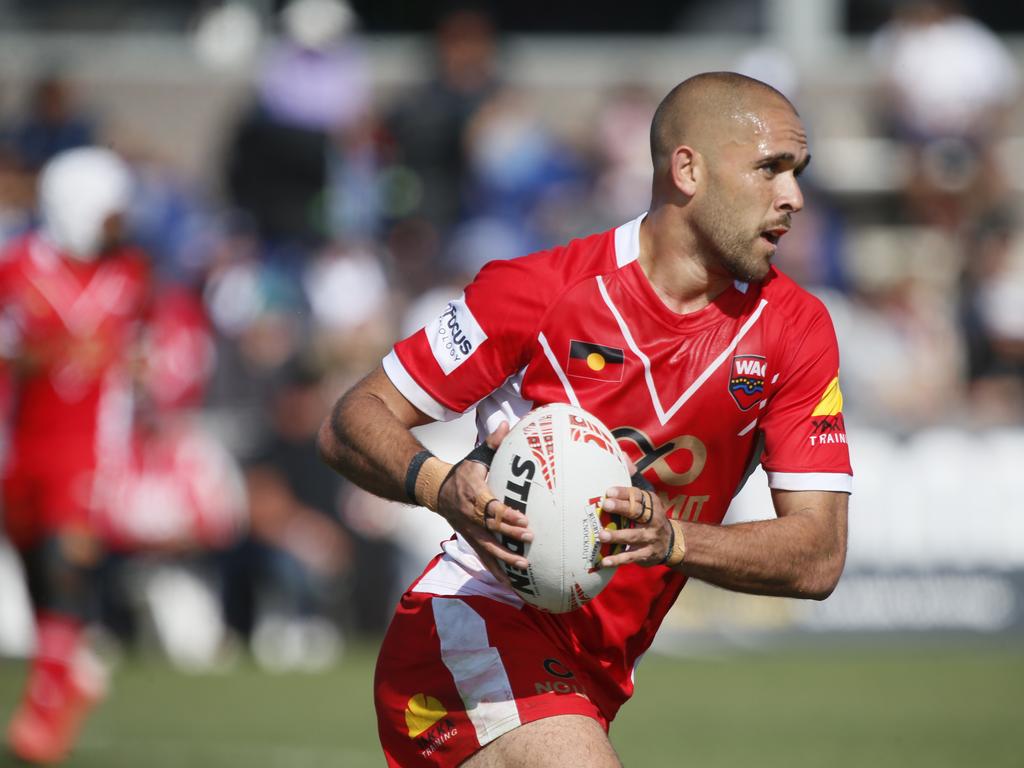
(793, 556)
(364, 440)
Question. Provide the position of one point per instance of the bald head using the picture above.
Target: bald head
(706, 110)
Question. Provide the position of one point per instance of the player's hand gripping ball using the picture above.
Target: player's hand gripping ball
(555, 466)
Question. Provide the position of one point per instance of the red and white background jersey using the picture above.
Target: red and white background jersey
(696, 400)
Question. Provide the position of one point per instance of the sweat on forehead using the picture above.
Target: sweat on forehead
(705, 107)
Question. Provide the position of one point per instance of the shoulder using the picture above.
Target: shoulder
(790, 301)
(798, 321)
(536, 280)
(566, 263)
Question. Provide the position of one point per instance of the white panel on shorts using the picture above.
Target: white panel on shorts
(460, 572)
(476, 668)
(811, 481)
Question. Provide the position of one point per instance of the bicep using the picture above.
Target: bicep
(376, 387)
(824, 513)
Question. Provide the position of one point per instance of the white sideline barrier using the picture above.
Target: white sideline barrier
(941, 499)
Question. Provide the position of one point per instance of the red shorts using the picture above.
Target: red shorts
(45, 494)
(455, 673)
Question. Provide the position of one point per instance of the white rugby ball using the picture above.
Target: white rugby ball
(554, 466)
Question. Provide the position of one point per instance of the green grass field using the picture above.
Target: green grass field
(826, 707)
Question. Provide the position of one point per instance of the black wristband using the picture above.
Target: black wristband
(482, 454)
(413, 472)
(671, 543)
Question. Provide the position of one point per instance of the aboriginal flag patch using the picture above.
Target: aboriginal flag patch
(595, 361)
(746, 383)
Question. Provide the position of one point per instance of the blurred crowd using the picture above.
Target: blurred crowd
(343, 220)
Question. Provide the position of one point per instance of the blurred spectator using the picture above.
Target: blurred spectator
(53, 123)
(17, 196)
(901, 360)
(992, 313)
(518, 171)
(302, 576)
(949, 84)
(350, 335)
(181, 495)
(172, 220)
(428, 128)
(622, 135)
(313, 98)
(260, 318)
(71, 298)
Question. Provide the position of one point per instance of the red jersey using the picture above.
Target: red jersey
(72, 322)
(694, 399)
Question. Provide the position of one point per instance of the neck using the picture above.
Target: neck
(671, 259)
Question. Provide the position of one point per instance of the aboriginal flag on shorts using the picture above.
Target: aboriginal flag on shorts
(595, 361)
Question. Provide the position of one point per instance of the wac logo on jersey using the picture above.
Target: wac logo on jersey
(746, 384)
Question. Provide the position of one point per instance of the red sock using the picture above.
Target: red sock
(57, 639)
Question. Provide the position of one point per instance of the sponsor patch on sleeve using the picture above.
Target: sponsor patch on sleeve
(827, 424)
(455, 335)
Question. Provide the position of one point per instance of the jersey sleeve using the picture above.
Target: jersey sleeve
(476, 341)
(805, 446)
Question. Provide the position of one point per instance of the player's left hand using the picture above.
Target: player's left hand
(649, 539)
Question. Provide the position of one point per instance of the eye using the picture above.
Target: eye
(769, 170)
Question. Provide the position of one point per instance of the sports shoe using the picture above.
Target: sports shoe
(45, 726)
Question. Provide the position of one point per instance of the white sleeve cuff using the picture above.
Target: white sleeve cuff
(811, 481)
(412, 391)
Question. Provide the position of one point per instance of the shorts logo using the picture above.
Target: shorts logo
(455, 335)
(564, 680)
(428, 723)
(422, 712)
(556, 668)
(746, 384)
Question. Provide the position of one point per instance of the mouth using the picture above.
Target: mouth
(774, 235)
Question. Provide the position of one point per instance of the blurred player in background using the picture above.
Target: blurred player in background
(71, 300)
(677, 332)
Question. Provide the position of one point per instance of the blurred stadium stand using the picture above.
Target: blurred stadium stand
(926, 305)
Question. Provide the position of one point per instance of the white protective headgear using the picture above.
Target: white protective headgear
(78, 191)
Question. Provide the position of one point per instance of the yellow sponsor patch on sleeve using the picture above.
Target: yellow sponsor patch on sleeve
(831, 401)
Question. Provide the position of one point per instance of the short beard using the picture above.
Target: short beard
(717, 237)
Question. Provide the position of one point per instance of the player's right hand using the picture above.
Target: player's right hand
(471, 509)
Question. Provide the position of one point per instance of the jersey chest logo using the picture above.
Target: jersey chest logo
(746, 382)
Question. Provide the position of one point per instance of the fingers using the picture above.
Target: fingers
(466, 498)
(494, 439)
(643, 546)
(645, 542)
(482, 512)
(491, 514)
(633, 503)
(492, 554)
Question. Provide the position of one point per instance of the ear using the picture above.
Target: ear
(686, 169)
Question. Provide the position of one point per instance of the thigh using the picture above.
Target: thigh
(455, 674)
(564, 741)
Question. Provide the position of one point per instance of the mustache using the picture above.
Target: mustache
(786, 222)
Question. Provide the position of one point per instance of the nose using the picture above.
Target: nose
(790, 198)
